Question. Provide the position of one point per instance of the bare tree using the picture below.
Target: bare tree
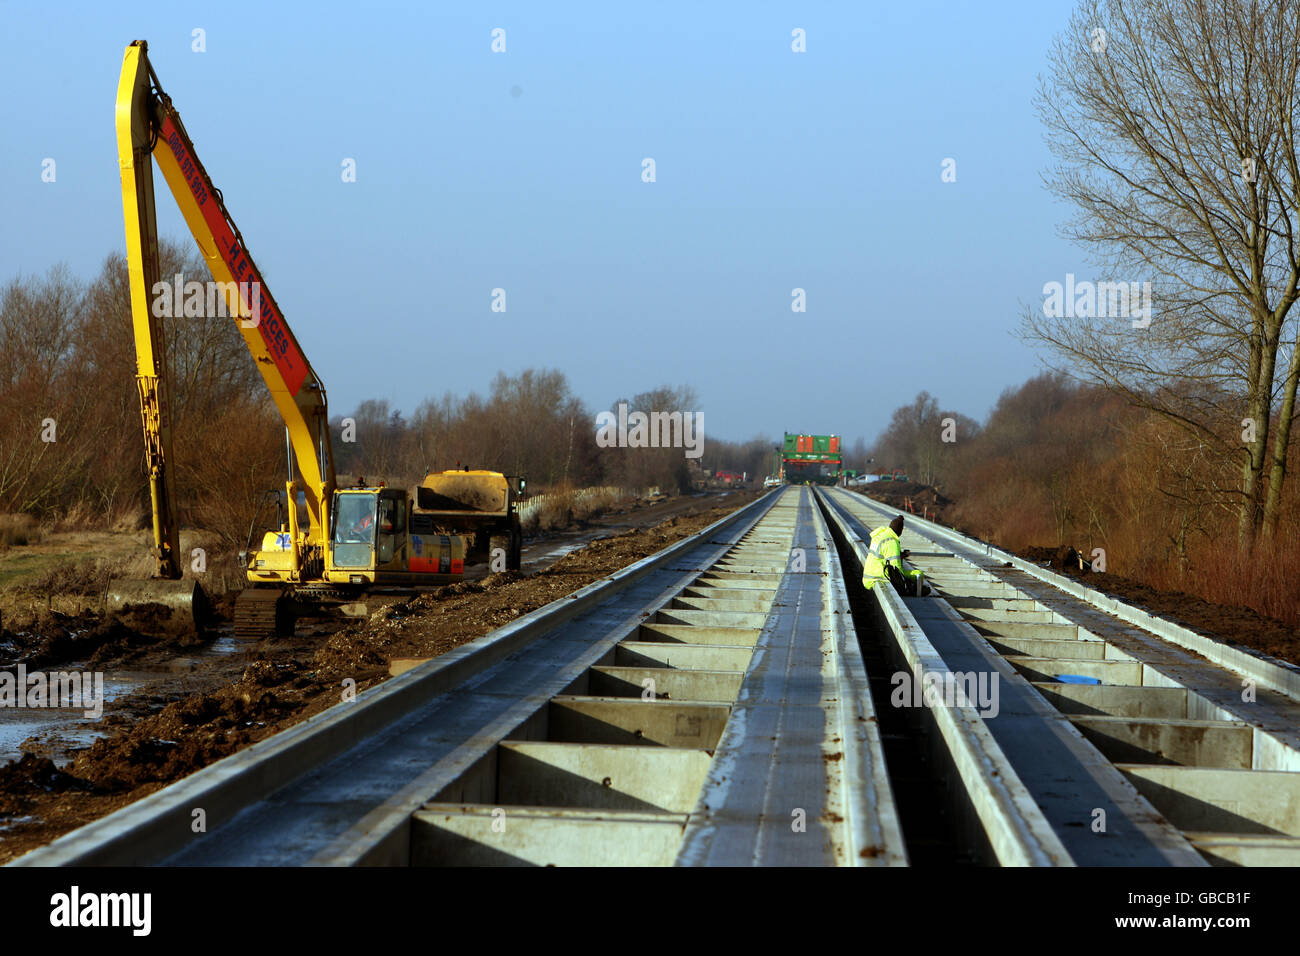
(1174, 126)
(665, 467)
(44, 446)
(920, 439)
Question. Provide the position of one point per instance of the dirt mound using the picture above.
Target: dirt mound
(23, 782)
(59, 639)
(1063, 558)
(188, 734)
(897, 494)
(33, 774)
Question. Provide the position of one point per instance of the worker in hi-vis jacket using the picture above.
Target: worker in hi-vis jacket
(885, 561)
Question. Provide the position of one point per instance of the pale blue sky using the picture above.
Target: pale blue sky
(522, 170)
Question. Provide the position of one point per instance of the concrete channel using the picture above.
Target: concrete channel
(704, 706)
(727, 728)
(1135, 748)
(709, 705)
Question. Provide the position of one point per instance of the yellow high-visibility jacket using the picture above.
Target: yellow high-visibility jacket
(883, 550)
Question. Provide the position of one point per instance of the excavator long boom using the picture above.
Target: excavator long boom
(149, 129)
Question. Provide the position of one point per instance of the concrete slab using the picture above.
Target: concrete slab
(664, 683)
(1229, 849)
(1115, 700)
(1190, 743)
(1030, 647)
(689, 634)
(756, 605)
(964, 601)
(632, 721)
(456, 835)
(1225, 801)
(734, 579)
(599, 776)
(729, 594)
(1108, 672)
(972, 590)
(1042, 632)
(710, 618)
(713, 657)
(998, 616)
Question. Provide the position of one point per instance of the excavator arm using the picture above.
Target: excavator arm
(149, 129)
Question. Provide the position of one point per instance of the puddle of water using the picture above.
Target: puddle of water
(556, 553)
(577, 542)
(66, 727)
(224, 644)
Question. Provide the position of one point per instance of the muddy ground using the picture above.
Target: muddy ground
(219, 703)
(1228, 624)
(896, 494)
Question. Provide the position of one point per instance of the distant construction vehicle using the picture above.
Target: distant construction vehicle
(358, 540)
(811, 459)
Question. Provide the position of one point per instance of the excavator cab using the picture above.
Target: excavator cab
(354, 529)
(375, 541)
(369, 531)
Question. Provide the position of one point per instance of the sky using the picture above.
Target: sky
(522, 170)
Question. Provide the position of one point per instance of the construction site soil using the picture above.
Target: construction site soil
(219, 703)
(1228, 624)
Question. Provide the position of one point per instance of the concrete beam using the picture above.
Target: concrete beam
(710, 618)
(454, 835)
(1115, 700)
(599, 776)
(686, 634)
(665, 683)
(1189, 743)
(632, 721)
(713, 657)
(1066, 650)
(1224, 801)
(1108, 672)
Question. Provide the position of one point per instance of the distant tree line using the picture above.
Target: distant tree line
(70, 434)
(1062, 462)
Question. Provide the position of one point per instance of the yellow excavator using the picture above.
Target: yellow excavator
(358, 541)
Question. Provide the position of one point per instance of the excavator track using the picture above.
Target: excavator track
(261, 613)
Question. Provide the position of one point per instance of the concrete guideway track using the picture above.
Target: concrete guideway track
(709, 705)
(762, 752)
(1168, 759)
(696, 707)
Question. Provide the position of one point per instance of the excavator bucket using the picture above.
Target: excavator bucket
(181, 603)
